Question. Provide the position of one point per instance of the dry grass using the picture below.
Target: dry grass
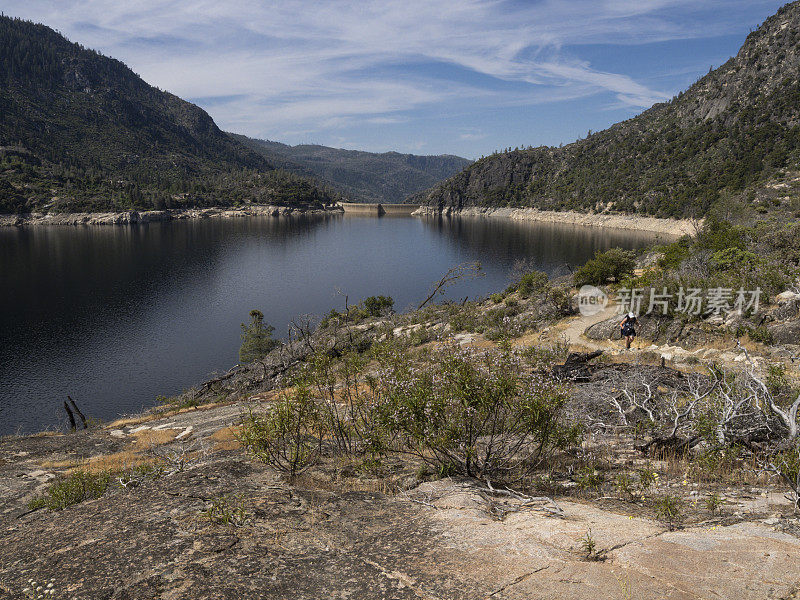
(59, 464)
(226, 439)
(149, 438)
(119, 461)
(132, 421)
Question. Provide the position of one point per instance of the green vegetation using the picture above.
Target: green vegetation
(611, 265)
(748, 254)
(731, 132)
(257, 339)
(670, 508)
(532, 283)
(363, 176)
(373, 306)
(82, 485)
(113, 142)
(289, 435)
(461, 412)
(378, 306)
(77, 487)
(225, 510)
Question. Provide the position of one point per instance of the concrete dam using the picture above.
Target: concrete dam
(378, 210)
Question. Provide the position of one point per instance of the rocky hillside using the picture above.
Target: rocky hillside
(735, 129)
(363, 176)
(81, 131)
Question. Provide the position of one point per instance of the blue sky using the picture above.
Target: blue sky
(462, 77)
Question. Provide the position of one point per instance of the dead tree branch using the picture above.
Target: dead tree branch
(463, 271)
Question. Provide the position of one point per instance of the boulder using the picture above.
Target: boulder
(787, 309)
(786, 333)
(605, 330)
(787, 296)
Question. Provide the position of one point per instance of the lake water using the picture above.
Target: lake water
(114, 316)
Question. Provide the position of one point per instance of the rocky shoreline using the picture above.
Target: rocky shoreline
(672, 227)
(154, 216)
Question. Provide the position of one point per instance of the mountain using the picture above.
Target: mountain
(364, 176)
(81, 131)
(735, 129)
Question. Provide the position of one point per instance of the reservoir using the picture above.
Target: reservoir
(117, 315)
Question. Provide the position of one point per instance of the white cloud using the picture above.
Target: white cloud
(294, 65)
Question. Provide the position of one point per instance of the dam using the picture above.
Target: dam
(378, 209)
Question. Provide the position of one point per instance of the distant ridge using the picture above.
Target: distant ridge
(364, 176)
(735, 129)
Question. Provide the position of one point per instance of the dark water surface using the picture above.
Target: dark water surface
(115, 316)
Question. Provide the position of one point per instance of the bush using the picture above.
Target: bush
(786, 464)
(77, 487)
(476, 414)
(289, 436)
(532, 283)
(257, 339)
(377, 306)
(611, 265)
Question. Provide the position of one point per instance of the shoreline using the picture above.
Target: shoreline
(675, 227)
(156, 216)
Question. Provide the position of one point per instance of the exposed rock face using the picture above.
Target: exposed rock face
(786, 333)
(152, 216)
(671, 227)
(307, 541)
(672, 160)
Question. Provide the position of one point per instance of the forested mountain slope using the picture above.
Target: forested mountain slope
(735, 129)
(363, 176)
(81, 131)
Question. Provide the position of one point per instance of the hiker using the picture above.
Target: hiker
(628, 331)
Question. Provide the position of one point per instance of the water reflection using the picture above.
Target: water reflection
(114, 316)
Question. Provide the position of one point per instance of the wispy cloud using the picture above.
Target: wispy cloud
(264, 67)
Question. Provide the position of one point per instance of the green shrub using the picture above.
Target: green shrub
(377, 306)
(477, 413)
(78, 487)
(227, 511)
(674, 254)
(724, 260)
(532, 283)
(786, 464)
(670, 509)
(289, 436)
(612, 265)
(257, 339)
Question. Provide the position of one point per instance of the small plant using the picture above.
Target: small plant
(625, 485)
(786, 465)
(670, 509)
(227, 511)
(647, 478)
(78, 487)
(589, 546)
(713, 502)
(39, 591)
(589, 478)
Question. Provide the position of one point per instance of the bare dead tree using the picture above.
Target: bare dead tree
(463, 271)
(78, 412)
(71, 417)
(786, 466)
(765, 399)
